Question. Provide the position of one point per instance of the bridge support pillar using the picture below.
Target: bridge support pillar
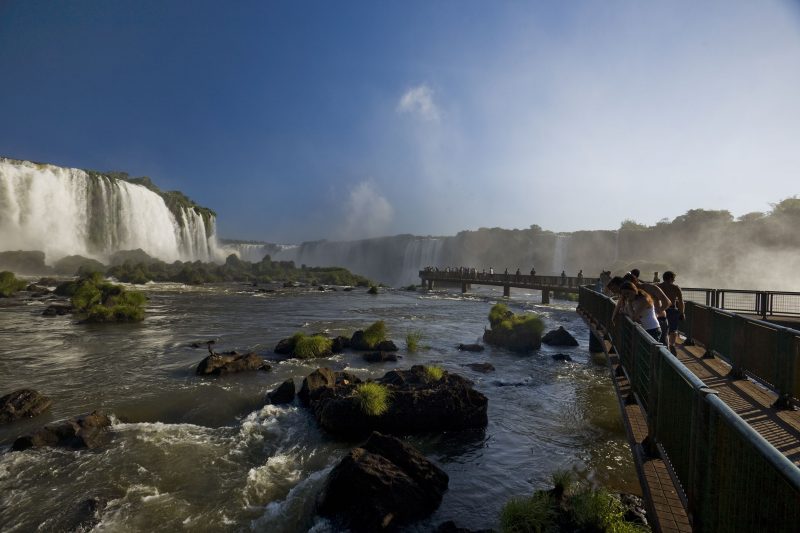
(507, 290)
(465, 287)
(545, 296)
(595, 344)
(430, 284)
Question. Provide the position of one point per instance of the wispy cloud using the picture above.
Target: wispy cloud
(368, 213)
(418, 101)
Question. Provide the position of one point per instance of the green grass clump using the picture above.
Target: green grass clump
(308, 347)
(412, 340)
(520, 333)
(598, 510)
(433, 373)
(101, 301)
(528, 515)
(9, 284)
(375, 334)
(373, 398)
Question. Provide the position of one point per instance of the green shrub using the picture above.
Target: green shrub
(373, 398)
(562, 482)
(373, 290)
(9, 284)
(375, 334)
(520, 333)
(528, 515)
(101, 301)
(433, 373)
(412, 340)
(308, 347)
(600, 511)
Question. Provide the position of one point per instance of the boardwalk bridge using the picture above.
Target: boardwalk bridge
(713, 429)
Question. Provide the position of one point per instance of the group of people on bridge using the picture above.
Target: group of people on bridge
(468, 273)
(657, 306)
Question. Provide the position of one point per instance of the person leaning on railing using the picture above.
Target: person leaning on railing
(638, 305)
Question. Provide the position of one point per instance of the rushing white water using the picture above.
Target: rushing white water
(420, 253)
(255, 252)
(560, 253)
(64, 211)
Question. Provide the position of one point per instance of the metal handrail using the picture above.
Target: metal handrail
(732, 478)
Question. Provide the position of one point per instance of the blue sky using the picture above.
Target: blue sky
(307, 120)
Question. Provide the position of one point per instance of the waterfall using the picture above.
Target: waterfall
(65, 211)
(420, 253)
(560, 253)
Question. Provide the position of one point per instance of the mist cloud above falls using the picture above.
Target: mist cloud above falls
(367, 213)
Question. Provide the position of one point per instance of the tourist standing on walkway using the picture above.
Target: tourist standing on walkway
(656, 278)
(563, 277)
(660, 301)
(675, 313)
(639, 305)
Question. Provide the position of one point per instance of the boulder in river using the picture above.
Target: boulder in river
(382, 484)
(379, 357)
(80, 432)
(283, 394)
(484, 368)
(471, 347)
(58, 309)
(559, 337)
(418, 401)
(22, 403)
(561, 357)
(219, 364)
(340, 344)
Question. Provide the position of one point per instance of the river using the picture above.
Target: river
(200, 454)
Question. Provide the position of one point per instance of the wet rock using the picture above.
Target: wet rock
(81, 432)
(87, 515)
(383, 484)
(22, 403)
(417, 403)
(635, 510)
(57, 310)
(340, 344)
(285, 346)
(220, 364)
(561, 357)
(37, 289)
(451, 527)
(379, 357)
(559, 337)
(283, 394)
(202, 344)
(482, 367)
(48, 282)
(471, 347)
(386, 346)
(347, 289)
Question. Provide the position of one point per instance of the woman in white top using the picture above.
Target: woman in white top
(639, 306)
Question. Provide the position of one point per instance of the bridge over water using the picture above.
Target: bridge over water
(714, 430)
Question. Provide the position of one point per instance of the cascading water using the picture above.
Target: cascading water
(420, 253)
(65, 211)
(560, 253)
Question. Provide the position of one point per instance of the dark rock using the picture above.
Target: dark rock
(37, 289)
(451, 527)
(57, 310)
(357, 341)
(87, 514)
(417, 404)
(340, 344)
(76, 433)
(386, 346)
(482, 367)
(321, 288)
(201, 344)
(561, 357)
(381, 485)
(373, 290)
(347, 289)
(285, 346)
(559, 337)
(635, 510)
(22, 403)
(48, 282)
(471, 347)
(219, 364)
(379, 357)
(283, 394)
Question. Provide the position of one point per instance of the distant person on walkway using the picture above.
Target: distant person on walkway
(491, 272)
(533, 272)
(636, 273)
(518, 274)
(656, 278)
(660, 302)
(603, 281)
(563, 277)
(580, 277)
(639, 306)
(675, 313)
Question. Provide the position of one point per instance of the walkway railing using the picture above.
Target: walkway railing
(765, 351)
(761, 303)
(732, 479)
(510, 278)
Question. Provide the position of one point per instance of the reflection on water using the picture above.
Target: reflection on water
(207, 454)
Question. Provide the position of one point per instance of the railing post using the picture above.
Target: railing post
(738, 348)
(784, 380)
(702, 495)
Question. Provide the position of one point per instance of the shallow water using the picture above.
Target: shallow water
(200, 454)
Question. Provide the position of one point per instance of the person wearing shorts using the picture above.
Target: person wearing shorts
(676, 310)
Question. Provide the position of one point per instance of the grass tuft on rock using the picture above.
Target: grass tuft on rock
(519, 333)
(311, 346)
(433, 373)
(373, 290)
(412, 341)
(9, 284)
(373, 398)
(375, 334)
(101, 301)
(534, 514)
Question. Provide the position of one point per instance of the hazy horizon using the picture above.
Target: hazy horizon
(307, 122)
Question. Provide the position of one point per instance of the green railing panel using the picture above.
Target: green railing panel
(757, 350)
(722, 329)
